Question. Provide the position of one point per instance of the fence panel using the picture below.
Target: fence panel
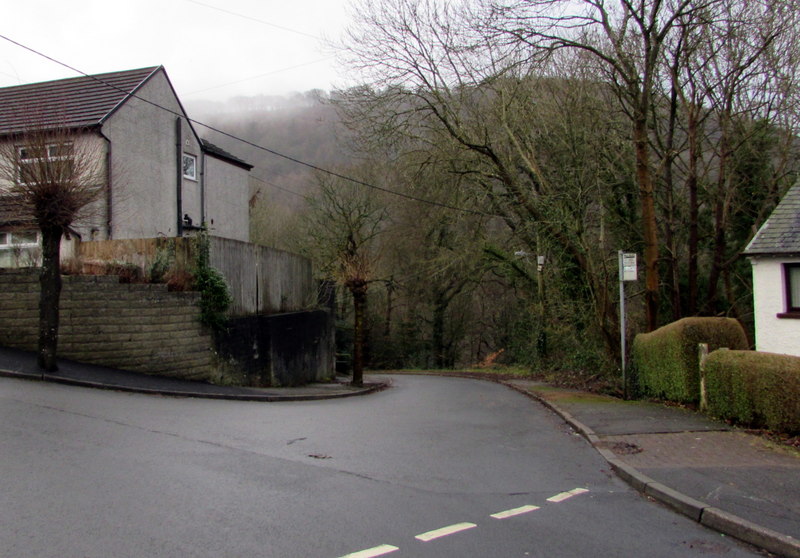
(262, 280)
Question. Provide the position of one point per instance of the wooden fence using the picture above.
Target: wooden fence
(262, 280)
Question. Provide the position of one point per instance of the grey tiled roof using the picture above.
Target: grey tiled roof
(72, 103)
(781, 232)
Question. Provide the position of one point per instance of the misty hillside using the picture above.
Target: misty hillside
(303, 126)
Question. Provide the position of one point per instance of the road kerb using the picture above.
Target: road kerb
(713, 518)
(684, 504)
(772, 541)
(637, 480)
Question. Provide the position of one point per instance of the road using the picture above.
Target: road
(433, 467)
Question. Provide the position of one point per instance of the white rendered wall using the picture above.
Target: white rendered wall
(144, 164)
(227, 199)
(773, 334)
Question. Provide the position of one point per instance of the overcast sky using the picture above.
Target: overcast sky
(211, 49)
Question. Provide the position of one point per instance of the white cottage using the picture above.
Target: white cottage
(775, 257)
(161, 178)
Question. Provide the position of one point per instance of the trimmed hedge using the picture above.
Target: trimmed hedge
(755, 389)
(666, 361)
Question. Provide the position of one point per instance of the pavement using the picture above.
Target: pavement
(22, 364)
(730, 480)
(727, 479)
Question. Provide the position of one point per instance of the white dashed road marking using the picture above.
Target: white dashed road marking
(444, 531)
(514, 512)
(566, 495)
(372, 552)
(458, 527)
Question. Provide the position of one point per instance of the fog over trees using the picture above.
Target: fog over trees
(521, 128)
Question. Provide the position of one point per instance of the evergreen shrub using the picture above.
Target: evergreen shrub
(215, 296)
(756, 389)
(666, 360)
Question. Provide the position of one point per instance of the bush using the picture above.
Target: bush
(755, 389)
(666, 360)
(215, 297)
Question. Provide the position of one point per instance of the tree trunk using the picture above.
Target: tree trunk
(649, 226)
(694, 212)
(670, 239)
(359, 291)
(49, 297)
(439, 308)
(720, 217)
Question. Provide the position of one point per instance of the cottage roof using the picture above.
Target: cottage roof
(73, 103)
(780, 234)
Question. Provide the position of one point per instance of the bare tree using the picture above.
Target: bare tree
(577, 123)
(627, 39)
(342, 227)
(52, 176)
(495, 122)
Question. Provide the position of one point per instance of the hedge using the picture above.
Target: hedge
(756, 389)
(666, 363)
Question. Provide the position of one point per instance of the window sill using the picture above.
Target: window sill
(793, 315)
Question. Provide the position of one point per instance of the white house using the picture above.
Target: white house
(775, 257)
(161, 178)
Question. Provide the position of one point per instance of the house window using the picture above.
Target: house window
(21, 239)
(792, 273)
(32, 160)
(189, 166)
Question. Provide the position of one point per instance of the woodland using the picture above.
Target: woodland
(470, 192)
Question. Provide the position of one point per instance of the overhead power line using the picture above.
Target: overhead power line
(273, 72)
(244, 16)
(250, 143)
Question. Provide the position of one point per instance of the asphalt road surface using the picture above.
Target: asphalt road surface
(433, 467)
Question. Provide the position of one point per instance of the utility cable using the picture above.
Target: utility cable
(250, 143)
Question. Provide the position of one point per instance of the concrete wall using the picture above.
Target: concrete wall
(773, 334)
(280, 350)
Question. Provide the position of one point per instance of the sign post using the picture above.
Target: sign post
(627, 272)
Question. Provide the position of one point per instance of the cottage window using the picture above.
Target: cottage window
(189, 166)
(792, 273)
(38, 163)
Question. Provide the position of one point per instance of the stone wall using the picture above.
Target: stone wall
(135, 327)
(146, 328)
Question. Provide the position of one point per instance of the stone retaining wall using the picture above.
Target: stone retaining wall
(146, 328)
(137, 327)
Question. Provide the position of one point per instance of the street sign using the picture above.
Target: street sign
(627, 272)
(629, 267)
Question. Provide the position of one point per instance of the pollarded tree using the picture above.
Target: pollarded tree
(53, 177)
(341, 230)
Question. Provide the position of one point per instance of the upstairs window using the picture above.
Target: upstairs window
(50, 163)
(792, 274)
(189, 167)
